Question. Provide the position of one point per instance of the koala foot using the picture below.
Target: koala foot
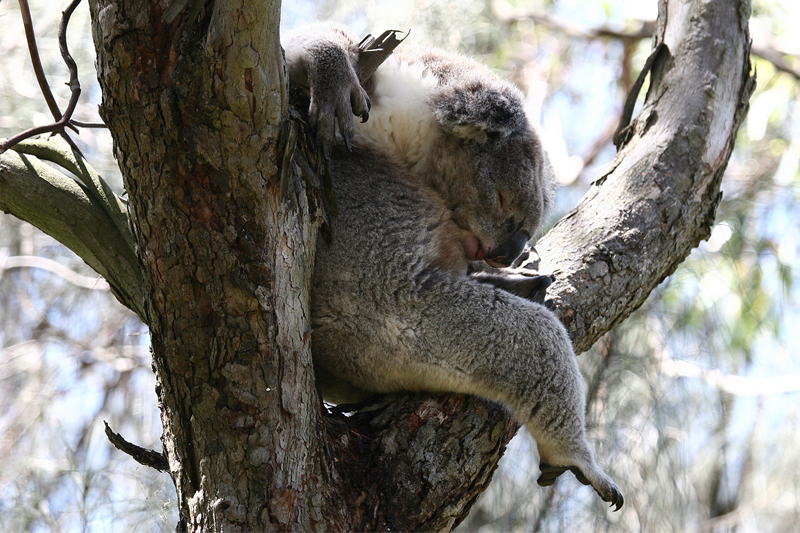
(604, 487)
(344, 99)
(323, 63)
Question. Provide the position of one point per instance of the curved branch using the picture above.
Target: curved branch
(33, 48)
(69, 212)
(32, 261)
(73, 161)
(639, 221)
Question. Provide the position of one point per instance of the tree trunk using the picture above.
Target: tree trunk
(198, 112)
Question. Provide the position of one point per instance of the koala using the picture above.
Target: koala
(443, 171)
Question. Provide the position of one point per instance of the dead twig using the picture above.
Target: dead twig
(97, 125)
(143, 456)
(374, 51)
(38, 69)
(62, 121)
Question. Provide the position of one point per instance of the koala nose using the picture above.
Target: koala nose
(504, 254)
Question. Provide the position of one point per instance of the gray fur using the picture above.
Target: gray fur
(393, 307)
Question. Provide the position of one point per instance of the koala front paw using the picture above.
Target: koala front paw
(322, 61)
(534, 288)
(335, 98)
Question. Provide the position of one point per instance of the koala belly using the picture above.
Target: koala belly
(369, 281)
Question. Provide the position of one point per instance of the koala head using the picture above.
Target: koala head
(489, 165)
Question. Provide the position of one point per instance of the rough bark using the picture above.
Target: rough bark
(197, 109)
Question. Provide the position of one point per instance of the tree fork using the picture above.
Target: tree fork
(196, 110)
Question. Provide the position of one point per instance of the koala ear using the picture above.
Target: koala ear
(478, 110)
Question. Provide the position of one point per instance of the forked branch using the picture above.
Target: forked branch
(65, 120)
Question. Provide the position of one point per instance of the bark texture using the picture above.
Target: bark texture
(225, 233)
(196, 109)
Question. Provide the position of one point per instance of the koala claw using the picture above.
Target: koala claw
(535, 288)
(608, 492)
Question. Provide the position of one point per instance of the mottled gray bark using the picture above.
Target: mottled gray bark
(225, 231)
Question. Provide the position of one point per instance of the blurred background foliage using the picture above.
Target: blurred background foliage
(692, 402)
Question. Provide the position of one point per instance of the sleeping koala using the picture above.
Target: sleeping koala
(447, 170)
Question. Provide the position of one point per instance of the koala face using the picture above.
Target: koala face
(489, 166)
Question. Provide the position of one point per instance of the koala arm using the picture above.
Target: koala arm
(322, 60)
(532, 288)
(518, 278)
(519, 354)
(459, 335)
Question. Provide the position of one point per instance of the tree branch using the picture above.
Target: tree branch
(74, 84)
(95, 184)
(143, 456)
(730, 383)
(41, 78)
(640, 220)
(32, 261)
(508, 14)
(71, 213)
(777, 57)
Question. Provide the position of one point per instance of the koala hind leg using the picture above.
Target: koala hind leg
(557, 456)
(513, 351)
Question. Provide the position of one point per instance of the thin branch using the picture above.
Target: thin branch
(29, 261)
(777, 57)
(30, 36)
(730, 383)
(143, 456)
(74, 84)
(624, 128)
(97, 125)
(508, 14)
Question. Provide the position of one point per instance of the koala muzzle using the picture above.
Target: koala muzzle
(504, 254)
